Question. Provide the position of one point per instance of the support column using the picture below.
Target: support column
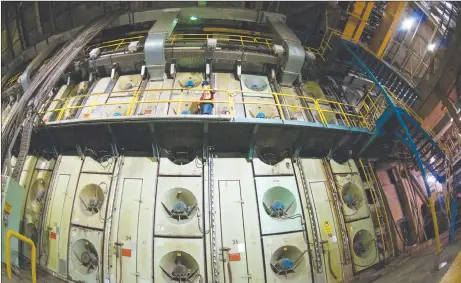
(37, 18)
(388, 23)
(20, 28)
(357, 20)
(50, 8)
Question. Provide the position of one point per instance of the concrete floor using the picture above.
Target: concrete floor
(415, 266)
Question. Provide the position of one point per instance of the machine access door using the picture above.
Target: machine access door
(232, 249)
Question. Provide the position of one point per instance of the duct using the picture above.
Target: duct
(26, 76)
(154, 47)
(294, 55)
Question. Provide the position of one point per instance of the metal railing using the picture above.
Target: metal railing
(241, 39)
(114, 44)
(321, 109)
(380, 207)
(33, 254)
(371, 107)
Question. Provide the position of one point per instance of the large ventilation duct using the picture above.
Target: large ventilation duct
(293, 58)
(155, 43)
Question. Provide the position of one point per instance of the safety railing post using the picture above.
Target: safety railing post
(63, 109)
(33, 254)
(282, 116)
(180, 102)
(432, 201)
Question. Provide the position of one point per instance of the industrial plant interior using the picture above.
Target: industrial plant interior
(231, 141)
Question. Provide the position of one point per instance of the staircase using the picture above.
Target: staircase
(387, 76)
(432, 156)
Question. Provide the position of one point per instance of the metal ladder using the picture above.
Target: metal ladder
(214, 262)
(385, 232)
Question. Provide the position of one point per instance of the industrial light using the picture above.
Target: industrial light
(408, 23)
(431, 179)
(193, 18)
(431, 47)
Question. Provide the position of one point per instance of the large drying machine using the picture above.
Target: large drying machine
(363, 244)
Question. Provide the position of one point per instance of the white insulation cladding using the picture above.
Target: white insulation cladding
(221, 219)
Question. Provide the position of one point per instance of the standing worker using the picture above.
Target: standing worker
(206, 100)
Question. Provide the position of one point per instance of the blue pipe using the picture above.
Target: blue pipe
(397, 114)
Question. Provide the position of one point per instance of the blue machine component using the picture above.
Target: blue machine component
(260, 115)
(179, 207)
(285, 264)
(277, 206)
(117, 114)
(348, 198)
(185, 112)
(190, 84)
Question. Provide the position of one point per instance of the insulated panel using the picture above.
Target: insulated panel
(187, 87)
(152, 93)
(284, 167)
(235, 202)
(168, 168)
(223, 95)
(188, 252)
(26, 176)
(33, 213)
(255, 86)
(363, 244)
(179, 199)
(232, 230)
(101, 92)
(131, 221)
(353, 198)
(287, 246)
(44, 164)
(278, 198)
(345, 168)
(59, 209)
(260, 107)
(106, 165)
(89, 209)
(327, 228)
(126, 85)
(85, 255)
(227, 81)
(313, 170)
(76, 100)
(128, 228)
(62, 93)
(294, 103)
(121, 96)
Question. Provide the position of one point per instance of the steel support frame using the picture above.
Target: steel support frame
(383, 35)
(410, 140)
(358, 19)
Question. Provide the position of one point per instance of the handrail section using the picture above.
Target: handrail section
(33, 255)
(346, 113)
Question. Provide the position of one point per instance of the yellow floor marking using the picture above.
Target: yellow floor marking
(453, 274)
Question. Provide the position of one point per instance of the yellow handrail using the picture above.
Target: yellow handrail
(33, 255)
(375, 202)
(352, 117)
